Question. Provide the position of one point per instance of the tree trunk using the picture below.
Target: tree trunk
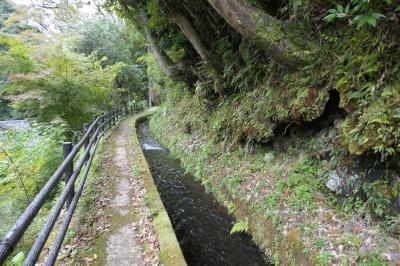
(193, 36)
(273, 36)
(150, 92)
(163, 60)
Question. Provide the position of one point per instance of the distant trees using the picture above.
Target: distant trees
(87, 70)
(57, 74)
(110, 42)
(5, 11)
(48, 81)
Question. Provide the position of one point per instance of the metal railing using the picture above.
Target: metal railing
(69, 197)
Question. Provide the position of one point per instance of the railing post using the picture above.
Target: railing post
(86, 143)
(105, 120)
(112, 117)
(102, 122)
(94, 128)
(67, 148)
(109, 119)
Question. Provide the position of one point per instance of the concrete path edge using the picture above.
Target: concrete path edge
(170, 251)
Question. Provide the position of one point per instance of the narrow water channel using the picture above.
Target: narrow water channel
(201, 225)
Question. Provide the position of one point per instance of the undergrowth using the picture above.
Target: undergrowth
(270, 183)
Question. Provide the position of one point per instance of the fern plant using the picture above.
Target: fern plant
(240, 227)
(360, 13)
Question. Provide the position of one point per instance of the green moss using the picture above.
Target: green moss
(270, 32)
(377, 128)
(288, 36)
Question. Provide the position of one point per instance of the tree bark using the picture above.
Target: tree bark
(194, 37)
(163, 60)
(270, 34)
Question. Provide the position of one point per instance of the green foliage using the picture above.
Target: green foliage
(18, 259)
(169, 36)
(60, 84)
(337, 13)
(240, 227)
(5, 11)
(7, 112)
(230, 206)
(290, 185)
(151, 213)
(243, 66)
(111, 43)
(46, 78)
(379, 197)
(104, 39)
(299, 188)
(11, 21)
(364, 90)
(28, 158)
(158, 21)
(14, 57)
(253, 101)
(376, 128)
(235, 182)
(359, 12)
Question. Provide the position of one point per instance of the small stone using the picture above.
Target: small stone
(338, 123)
(341, 248)
(269, 156)
(334, 182)
(332, 133)
(334, 253)
(393, 257)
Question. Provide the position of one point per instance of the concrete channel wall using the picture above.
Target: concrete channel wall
(170, 251)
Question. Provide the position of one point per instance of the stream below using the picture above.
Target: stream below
(201, 225)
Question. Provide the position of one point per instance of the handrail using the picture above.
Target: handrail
(91, 138)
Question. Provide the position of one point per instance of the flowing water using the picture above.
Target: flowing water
(201, 225)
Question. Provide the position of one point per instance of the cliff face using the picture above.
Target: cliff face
(232, 52)
(295, 90)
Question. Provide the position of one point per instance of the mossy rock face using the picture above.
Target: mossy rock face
(358, 148)
(309, 104)
(377, 127)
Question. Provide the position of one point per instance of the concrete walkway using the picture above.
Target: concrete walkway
(130, 225)
(131, 239)
(122, 248)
